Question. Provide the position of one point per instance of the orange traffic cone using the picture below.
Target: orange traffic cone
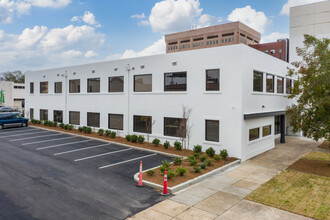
(140, 176)
(165, 184)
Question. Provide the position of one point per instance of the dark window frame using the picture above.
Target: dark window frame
(109, 122)
(277, 122)
(270, 130)
(55, 118)
(31, 113)
(97, 125)
(109, 83)
(282, 84)
(70, 87)
(134, 79)
(44, 111)
(42, 84)
(175, 125)
(147, 121)
(209, 85)
(272, 90)
(288, 89)
(55, 90)
(184, 89)
(258, 136)
(71, 121)
(260, 84)
(31, 87)
(90, 89)
(206, 130)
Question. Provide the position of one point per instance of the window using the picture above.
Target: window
(58, 87)
(280, 50)
(272, 51)
(277, 124)
(280, 56)
(31, 113)
(93, 85)
(93, 119)
(74, 118)
(142, 124)
(269, 83)
(212, 130)
(257, 81)
(175, 81)
(116, 84)
(253, 134)
(266, 51)
(172, 125)
(212, 80)
(116, 121)
(143, 83)
(31, 87)
(288, 86)
(58, 116)
(43, 87)
(43, 114)
(266, 130)
(74, 86)
(19, 87)
(280, 84)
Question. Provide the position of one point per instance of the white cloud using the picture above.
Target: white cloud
(273, 37)
(156, 48)
(88, 18)
(208, 20)
(91, 54)
(144, 23)
(71, 54)
(49, 3)
(138, 16)
(292, 3)
(252, 18)
(30, 37)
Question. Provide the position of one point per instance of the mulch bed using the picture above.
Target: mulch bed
(317, 167)
(325, 145)
(158, 178)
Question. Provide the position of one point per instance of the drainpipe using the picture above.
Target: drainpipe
(128, 100)
(66, 97)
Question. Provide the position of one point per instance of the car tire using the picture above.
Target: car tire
(24, 125)
(1, 127)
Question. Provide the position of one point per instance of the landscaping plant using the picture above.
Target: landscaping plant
(62, 125)
(155, 142)
(197, 169)
(177, 161)
(202, 158)
(113, 134)
(224, 154)
(165, 165)
(197, 149)
(210, 151)
(170, 174)
(100, 132)
(128, 137)
(84, 129)
(134, 138)
(217, 157)
(88, 130)
(80, 129)
(196, 155)
(181, 171)
(107, 133)
(191, 157)
(202, 165)
(193, 162)
(208, 162)
(141, 139)
(166, 144)
(177, 145)
(150, 172)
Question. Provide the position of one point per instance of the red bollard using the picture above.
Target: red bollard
(165, 193)
(140, 176)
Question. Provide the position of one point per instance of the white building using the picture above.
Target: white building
(312, 19)
(14, 94)
(237, 95)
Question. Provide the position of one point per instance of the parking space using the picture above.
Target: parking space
(93, 173)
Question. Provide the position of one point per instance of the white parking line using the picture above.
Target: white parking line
(126, 161)
(37, 142)
(58, 145)
(20, 131)
(85, 148)
(35, 137)
(39, 132)
(100, 155)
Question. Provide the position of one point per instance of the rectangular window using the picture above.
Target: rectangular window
(212, 130)
(58, 116)
(277, 124)
(212, 80)
(93, 85)
(74, 118)
(280, 50)
(143, 83)
(31, 87)
(288, 86)
(266, 130)
(43, 87)
(172, 127)
(280, 84)
(43, 114)
(266, 51)
(253, 134)
(272, 51)
(175, 81)
(31, 113)
(93, 119)
(74, 86)
(58, 87)
(142, 124)
(116, 121)
(280, 56)
(116, 84)
(257, 81)
(269, 83)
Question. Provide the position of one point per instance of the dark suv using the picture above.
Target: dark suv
(12, 120)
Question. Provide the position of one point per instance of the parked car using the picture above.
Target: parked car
(12, 120)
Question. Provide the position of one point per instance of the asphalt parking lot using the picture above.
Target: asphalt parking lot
(50, 175)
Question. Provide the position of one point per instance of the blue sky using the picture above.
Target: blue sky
(37, 34)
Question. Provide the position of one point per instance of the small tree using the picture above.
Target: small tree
(149, 125)
(183, 127)
(312, 89)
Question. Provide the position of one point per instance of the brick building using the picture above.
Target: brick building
(278, 49)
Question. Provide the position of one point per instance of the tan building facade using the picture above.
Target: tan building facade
(214, 36)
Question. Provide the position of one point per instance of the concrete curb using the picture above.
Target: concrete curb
(189, 182)
(112, 142)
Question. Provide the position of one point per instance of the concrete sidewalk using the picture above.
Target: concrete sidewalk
(222, 197)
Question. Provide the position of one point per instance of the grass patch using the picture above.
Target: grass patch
(317, 156)
(301, 193)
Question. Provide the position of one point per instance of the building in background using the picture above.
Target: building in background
(13, 94)
(214, 36)
(278, 49)
(312, 19)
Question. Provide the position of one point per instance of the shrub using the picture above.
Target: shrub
(197, 148)
(134, 138)
(197, 169)
(202, 158)
(128, 137)
(224, 154)
(88, 130)
(166, 144)
(181, 171)
(155, 142)
(165, 165)
(84, 129)
(140, 139)
(54, 124)
(170, 174)
(62, 125)
(202, 165)
(191, 157)
(210, 151)
(193, 162)
(177, 145)
(38, 122)
(177, 161)
(70, 127)
(66, 127)
(150, 172)
(107, 133)
(208, 162)
(113, 134)
(100, 132)
(80, 129)
(196, 155)
(46, 122)
(217, 157)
